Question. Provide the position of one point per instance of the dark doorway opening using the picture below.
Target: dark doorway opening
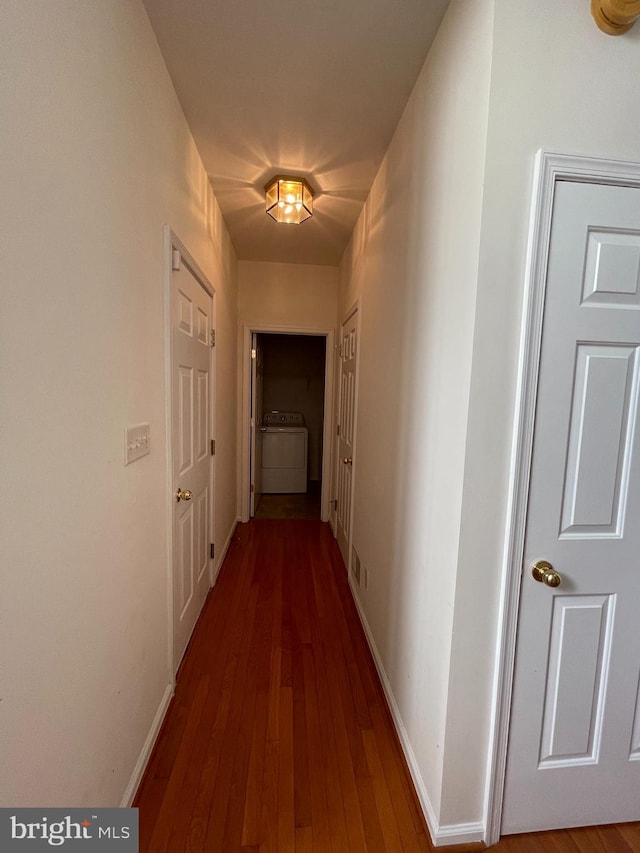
(293, 383)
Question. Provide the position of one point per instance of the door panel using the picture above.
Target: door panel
(612, 269)
(184, 426)
(203, 409)
(574, 720)
(203, 516)
(579, 651)
(605, 401)
(191, 426)
(346, 437)
(185, 560)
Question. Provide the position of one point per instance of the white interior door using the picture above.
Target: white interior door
(257, 371)
(191, 328)
(574, 740)
(346, 435)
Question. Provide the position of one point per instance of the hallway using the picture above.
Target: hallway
(279, 738)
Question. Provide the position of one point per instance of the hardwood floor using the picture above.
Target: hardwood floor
(279, 738)
(306, 505)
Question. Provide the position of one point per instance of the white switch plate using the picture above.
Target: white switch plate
(137, 442)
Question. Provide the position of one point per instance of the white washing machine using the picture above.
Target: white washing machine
(284, 453)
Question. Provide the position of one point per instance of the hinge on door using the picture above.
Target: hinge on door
(213, 337)
(335, 504)
(212, 550)
(337, 429)
(251, 490)
(213, 447)
(175, 260)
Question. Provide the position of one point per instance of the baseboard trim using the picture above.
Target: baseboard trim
(459, 833)
(409, 754)
(145, 754)
(441, 836)
(225, 548)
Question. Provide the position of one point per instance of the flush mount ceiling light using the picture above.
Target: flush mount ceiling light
(615, 16)
(288, 199)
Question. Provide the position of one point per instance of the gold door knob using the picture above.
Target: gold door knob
(543, 572)
(348, 460)
(183, 495)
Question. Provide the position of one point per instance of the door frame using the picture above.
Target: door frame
(245, 402)
(171, 242)
(255, 379)
(550, 167)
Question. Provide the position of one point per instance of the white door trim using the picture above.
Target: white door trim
(550, 167)
(171, 242)
(327, 437)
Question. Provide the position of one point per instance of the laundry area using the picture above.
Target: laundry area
(290, 384)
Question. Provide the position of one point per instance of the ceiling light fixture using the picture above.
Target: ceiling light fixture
(288, 199)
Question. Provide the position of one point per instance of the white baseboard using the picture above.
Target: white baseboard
(457, 833)
(145, 754)
(225, 548)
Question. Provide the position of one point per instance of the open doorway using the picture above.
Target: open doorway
(248, 432)
(287, 415)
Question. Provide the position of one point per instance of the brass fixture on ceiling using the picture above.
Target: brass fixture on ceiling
(615, 17)
(288, 199)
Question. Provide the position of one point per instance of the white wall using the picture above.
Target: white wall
(271, 294)
(558, 83)
(96, 158)
(413, 261)
(438, 258)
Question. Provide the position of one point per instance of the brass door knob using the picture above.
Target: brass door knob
(183, 495)
(348, 460)
(543, 572)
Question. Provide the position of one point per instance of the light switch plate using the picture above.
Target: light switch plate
(137, 442)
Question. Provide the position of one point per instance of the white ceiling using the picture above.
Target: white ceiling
(308, 87)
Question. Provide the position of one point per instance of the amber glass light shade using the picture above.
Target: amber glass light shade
(288, 199)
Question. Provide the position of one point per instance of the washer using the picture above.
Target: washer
(284, 453)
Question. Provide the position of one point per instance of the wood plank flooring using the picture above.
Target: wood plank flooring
(302, 505)
(279, 739)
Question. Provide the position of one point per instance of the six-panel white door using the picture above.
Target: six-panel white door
(346, 436)
(574, 742)
(191, 321)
